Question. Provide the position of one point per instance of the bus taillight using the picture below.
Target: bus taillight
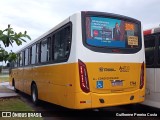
(142, 76)
(84, 83)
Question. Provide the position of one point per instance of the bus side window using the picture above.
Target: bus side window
(26, 57)
(44, 50)
(62, 43)
(33, 59)
(49, 49)
(68, 40)
(159, 50)
(53, 46)
(20, 59)
(150, 50)
(23, 60)
(38, 52)
(30, 55)
(15, 63)
(57, 46)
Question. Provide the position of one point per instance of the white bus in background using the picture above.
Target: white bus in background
(152, 53)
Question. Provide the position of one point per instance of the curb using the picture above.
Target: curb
(7, 92)
(7, 97)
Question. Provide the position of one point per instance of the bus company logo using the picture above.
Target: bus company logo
(6, 114)
(102, 69)
(124, 68)
(21, 114)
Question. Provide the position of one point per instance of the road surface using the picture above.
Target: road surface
(51, 111)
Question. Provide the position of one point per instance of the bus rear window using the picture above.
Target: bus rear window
(111, 33)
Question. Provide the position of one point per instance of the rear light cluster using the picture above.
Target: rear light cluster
(142, 76)
(84, 83)
(147, 32)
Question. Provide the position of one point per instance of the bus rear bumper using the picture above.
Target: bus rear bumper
(97, 100)
(113, 99)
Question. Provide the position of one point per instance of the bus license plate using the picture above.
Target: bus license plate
(117, 83)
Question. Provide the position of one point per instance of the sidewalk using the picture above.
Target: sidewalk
(6, 91)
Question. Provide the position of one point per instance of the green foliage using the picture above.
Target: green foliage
(8, 36)
(11, 57)
(4, 78)
(13, 104)
(3, 55)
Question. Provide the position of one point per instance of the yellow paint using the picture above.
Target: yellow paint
(60, 84)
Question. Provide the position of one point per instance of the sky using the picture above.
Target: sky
(39, 16)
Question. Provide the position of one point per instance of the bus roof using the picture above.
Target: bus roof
(151, 31)
(47, 33)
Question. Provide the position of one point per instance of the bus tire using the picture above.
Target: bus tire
(14, 86)
(34, 94)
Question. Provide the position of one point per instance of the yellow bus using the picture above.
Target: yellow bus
(90, 60)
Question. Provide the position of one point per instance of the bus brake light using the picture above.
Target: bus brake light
(84, 83)
(142, 76)
(147, 32)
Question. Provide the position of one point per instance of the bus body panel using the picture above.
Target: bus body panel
(94, 61)
(69, 94)
(56, 80)
(117, 98)
(151, 79)
(117, 95)
(128, 75)
(55, 83)
(157, 80)
(152, 87)
(152, 51)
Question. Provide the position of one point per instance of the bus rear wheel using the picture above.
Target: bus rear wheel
(14, 86)
(34, 94)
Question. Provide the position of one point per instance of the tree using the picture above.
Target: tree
(3, 55)
(8, 36)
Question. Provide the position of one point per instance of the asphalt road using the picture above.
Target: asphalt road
(53, 112)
